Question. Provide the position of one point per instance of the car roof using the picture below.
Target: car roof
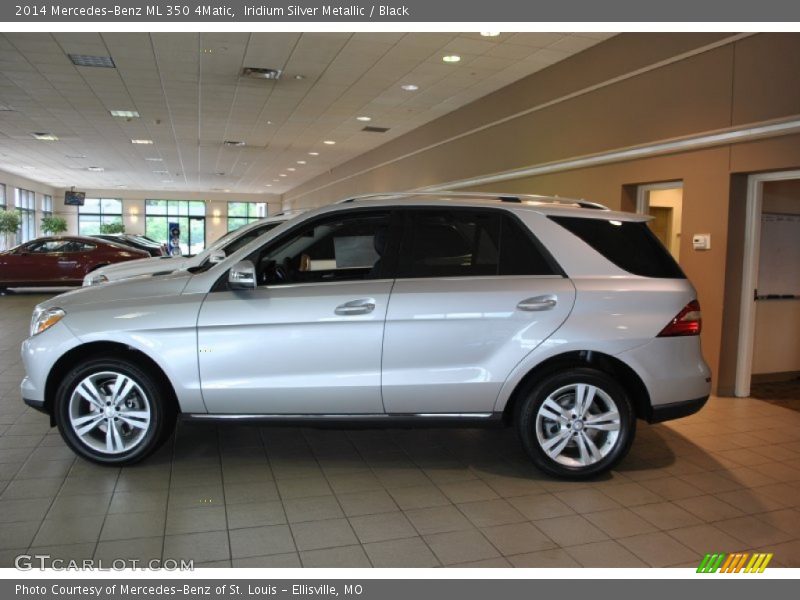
(550, 205)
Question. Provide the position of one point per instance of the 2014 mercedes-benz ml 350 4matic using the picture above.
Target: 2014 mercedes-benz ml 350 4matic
(562, 318)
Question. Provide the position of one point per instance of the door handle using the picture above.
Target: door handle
(356, 307)
(545, 302)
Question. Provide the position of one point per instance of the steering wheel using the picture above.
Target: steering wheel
(282, 273)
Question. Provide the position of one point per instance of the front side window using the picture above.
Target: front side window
(467, 243)
(342, 248)
(46, 246)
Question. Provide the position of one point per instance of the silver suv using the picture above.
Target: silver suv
(561, 318)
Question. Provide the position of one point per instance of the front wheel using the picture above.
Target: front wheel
(112, 412)
(575, 423)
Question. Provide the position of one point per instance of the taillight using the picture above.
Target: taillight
(687, 322)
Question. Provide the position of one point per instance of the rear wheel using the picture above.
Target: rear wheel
(576, 423)
(112, 412)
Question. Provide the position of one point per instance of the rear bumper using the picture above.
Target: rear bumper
(675, 410)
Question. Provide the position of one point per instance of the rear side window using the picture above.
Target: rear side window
(464, 243)
(629, 245)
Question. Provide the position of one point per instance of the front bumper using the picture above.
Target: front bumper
(37, 404)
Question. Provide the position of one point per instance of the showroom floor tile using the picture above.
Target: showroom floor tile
(726, 479)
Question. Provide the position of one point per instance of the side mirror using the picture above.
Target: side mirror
(216, 257)
(242, 276)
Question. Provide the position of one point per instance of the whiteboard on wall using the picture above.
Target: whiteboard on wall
(779, 257)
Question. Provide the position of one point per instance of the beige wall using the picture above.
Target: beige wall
(633, 90)
(133, 204)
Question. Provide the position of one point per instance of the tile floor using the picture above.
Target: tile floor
(727, 479)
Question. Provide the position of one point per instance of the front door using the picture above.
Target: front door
(308, 339)
(474, 295)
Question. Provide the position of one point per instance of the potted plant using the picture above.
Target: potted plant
(109, 228)
(9, 226)
(53, 225)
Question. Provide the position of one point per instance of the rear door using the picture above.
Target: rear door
(475, 294)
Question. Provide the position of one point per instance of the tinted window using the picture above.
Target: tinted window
(343, 248)
(466, 243)
(246, 238)
(46, 246)
(629, 245)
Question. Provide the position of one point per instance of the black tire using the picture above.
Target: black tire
(162, 411)
(533, 434)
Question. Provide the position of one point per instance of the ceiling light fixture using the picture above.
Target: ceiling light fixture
(301, 162)
(490, 33)
(451, 58)
(44, 136)
(153, 158)
(313, 153)
(261, 73)
(291, 169)
(161, 172)
(234, 143)
(86, 60)
(76, 156)
(410, 87)
(364, 119)
(281, 174)
(137, 141)
(329, 142)
(95, 169)
(125, 114)
(299, 77)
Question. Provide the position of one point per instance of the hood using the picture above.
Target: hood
(126, 290)
(142, 266)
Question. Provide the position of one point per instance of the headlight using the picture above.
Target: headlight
(96, 279)
(45, 318)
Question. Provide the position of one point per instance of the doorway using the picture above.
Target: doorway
(770, 295)
(664, 202)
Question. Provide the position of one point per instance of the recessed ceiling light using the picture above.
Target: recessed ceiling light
(95, 169)
(126, 114)
(276, 180)
(451, 58)
(299, 77)
(85, 60)
(226, 190)
(269, 122)
(410, 87)
(154, 159)
(44, 136)
(76, 156)
(281, 174)
(161, 172)
(234, 143)
(268, 185)
(313, 153)
(490, 33)
(121, 185)
(219, 174)
(291, 169)
(141, 141)
(301, 162)
(364, 119)
(329, 142)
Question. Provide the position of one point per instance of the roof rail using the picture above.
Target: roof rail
(515, 198)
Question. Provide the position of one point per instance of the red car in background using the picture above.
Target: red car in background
(59, 261)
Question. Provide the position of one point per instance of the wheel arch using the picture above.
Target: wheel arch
(92, 350)
(624, 374)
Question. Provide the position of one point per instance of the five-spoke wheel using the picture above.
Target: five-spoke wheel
(575, 423)
(112, 412)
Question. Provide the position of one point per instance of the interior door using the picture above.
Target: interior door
(308, 339)
(475, 294)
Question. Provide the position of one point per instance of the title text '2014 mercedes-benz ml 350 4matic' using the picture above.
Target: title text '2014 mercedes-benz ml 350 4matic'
(561, 318)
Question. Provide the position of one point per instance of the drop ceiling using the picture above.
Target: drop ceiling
(191, 98)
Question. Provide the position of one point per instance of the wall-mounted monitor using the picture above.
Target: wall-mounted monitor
(74, 198)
